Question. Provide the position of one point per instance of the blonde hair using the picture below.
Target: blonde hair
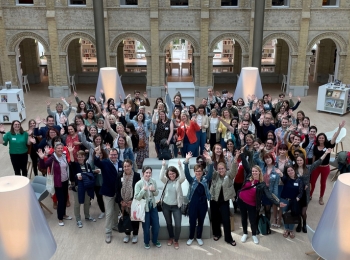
(113, 117)
(261, 179)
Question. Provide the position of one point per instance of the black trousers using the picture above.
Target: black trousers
(99, 197)
(62, 196)
(248, 211)
(212, 140)
(19, 163)
(135, 228)
(196, 213)
(220, 213)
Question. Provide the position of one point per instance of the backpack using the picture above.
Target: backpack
(164, 154)
(343, 159)
(264, 225)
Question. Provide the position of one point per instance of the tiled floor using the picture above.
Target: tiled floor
(88, 242)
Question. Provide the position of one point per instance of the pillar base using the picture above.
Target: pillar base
(59, 91)
(299, 91)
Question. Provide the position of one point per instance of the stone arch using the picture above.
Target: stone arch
(76, 35)
(236, 37)
(116, 41)
(293, 46)
(17, 38)
(174, 36)
(339, 42)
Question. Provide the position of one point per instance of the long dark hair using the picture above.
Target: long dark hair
(132, 128)
(173, 169)
(12, 130)
(79, 108)
(325, 139)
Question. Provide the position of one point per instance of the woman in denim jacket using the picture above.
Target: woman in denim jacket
(197, 196)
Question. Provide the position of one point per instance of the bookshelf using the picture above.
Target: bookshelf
(12, 106)
(88, 50)
(129, 48)
(227, 48)
(333, 99)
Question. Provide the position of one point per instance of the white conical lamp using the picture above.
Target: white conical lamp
(249, 83)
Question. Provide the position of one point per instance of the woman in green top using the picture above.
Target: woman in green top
(18, 140)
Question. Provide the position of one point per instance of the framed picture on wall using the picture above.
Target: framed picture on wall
(8, 84)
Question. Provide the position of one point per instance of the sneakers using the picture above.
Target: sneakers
(176, 245)
(80, 224)
(157, 244)
(134, 239)
(126, 239)
(102, 215)
(244, 238)
(61, 223)
(91, 219)
(108, 238)
(255, 239)
(199, 241)
(147, 246)
(67, 217)
(189, 242)
(170, 241)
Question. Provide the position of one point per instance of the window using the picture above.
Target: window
(280, 3)
(330, 3)
(128, 2)
(179, 2)
(77, 2)
(25, 2)
(229, 2)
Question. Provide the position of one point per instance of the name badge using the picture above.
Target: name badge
(13, 139)
(120, 169)
(296, 184)
(167, 128)
(122, 179)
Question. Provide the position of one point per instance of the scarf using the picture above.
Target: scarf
(127, 189)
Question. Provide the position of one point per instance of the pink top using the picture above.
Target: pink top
(249, 195)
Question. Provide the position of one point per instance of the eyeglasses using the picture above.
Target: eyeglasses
(270, 143)
(112, 154)
(268, 118)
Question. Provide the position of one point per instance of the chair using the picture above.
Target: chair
(39, 187)
(310, 234)
(284, 83)
(339, 139)
(72, 83)
(25, 83)
(185, 65)
(175, 66)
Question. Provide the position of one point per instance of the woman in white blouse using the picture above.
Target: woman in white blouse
(203, 122)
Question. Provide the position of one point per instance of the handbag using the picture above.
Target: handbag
(138, 210)
(142, 143)
(124, 224)
(288, 218)
(50, 185)
(294, 207)
(184, 209)
(160, 201)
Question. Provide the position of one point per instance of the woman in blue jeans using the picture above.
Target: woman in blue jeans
(146, 188)
(292, 190)
(198, 196)
(203, 123)
(172, 200)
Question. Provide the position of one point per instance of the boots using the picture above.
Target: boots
(304, 226)
(298, 229)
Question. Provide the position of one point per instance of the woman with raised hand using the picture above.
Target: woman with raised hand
(31, 147)
(227, 117)
(212, 132)
(146, 189)
(129, 180)
(164, 128)
(172, 200)
(250, 196)
(198, 196)
(221, 192)
(187, 134)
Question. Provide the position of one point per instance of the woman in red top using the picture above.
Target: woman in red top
(187, 133)
(72, 139)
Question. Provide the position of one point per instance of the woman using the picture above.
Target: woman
(177, 103)
(80, 171)
(281, 114)
(309, 144)
(319, 149)
(300, 117)
(176, 118)
(203, 123)
(90, 119)
(155, 117)
(304, 127)
(212, 134)
(187, 134)
(79, 122)
(198, 195)
(267, 102)
(133, 135)
(18, 140)
(172, 200)
(141, 125)
(124, 153)
(73, 139)
(129, 180)
(31, 147)
(292, 192)
(192, 110)
(164, 129)
(146, 188)
(217, 156)
(250, 196)
(247, 116)
(99, 180)
(232, 131)
(226, 116)
(60, 168)
(221, 192)
(81, 109)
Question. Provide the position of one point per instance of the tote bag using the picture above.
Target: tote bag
(50, 186)
(138, 210)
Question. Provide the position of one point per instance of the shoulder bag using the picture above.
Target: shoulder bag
(159, 203)
(248, 188)
(50, 185)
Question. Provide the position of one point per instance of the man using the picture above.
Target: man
(270, 148)
(280, 132)
(60, 115)
(110, 189)
(136, 102)
(212, 99)
(281, 100)
(296, 143)
(231, 108)
(265, 126)
(244, 131)
(207, 107)
(50, 122)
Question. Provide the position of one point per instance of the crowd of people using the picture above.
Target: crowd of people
(259, 153)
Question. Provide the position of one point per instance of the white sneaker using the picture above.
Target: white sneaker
(126, 239)
(199, 241)
(189, 242)
(255, 239)
(102, 215)
(80, 224)
(244, 238)
(134, 239)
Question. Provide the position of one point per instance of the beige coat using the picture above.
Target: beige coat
(225, 182)
(179, 181)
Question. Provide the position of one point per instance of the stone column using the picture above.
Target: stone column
(258, 33)
(49, 69)
(120, 59)
(196, 69)
(237, 59)
(13, 69)
(204, 39)
(4, 60)
(210, 69)
(149, 68)
(100, 33)
(245, 60)
(341, 67)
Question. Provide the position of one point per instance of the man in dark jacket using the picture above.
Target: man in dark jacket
(50, 122)
(110, 189)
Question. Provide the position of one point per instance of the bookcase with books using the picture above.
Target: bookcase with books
(333, 99)
(88, 50)
(227, 48)
(129, 48)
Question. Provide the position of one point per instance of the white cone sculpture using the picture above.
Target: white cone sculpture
(249, 83)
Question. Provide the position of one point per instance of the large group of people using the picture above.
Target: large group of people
(259, 153)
